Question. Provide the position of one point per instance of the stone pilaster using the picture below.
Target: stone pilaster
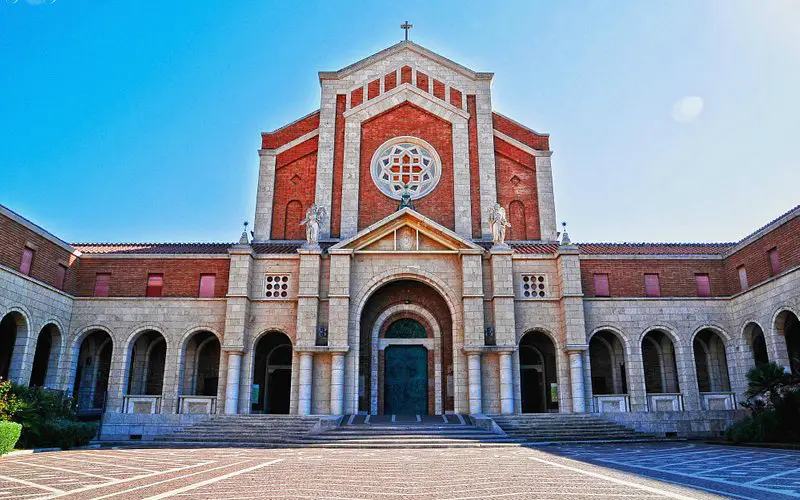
(237, 314)
(503, 296)
(486, 167)
(573, 321)
(338, 323)
(472, 298)
(327, 128)
(308, 296)
(262, 226)
(547, 205)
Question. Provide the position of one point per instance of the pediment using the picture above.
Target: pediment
(406, 231)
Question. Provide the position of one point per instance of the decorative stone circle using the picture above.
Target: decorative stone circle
(406, 163)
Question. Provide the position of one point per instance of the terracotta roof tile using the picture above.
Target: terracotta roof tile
(654, 248)
(151, 248)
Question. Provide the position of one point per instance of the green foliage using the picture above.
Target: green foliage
(9, 404)
(65, 434)
(9, 434)
(773, 397)
(48, 419)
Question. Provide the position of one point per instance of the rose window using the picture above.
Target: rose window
(402, 165)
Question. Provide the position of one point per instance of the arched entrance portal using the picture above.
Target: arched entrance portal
(45, 359)
(537, 373)
(12, 342)
(272, 374)
(405, 351)
(788, 325)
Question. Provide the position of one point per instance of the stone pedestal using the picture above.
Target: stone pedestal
(304, 391)
(232, 382)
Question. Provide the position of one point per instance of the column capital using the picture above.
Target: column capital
(576, 348)
(234, 349)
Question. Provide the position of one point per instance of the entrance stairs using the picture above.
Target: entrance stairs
(240, 430)
(546, 428)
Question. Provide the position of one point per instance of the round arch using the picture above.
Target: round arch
(272, 376)
(535, 395)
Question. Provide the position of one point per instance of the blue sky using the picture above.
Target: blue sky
(140, 120)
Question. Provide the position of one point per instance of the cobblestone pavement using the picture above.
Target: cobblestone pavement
(727, 470)
(215, 473)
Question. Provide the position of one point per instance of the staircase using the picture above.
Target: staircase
(408, 432)
(543, 428)
(243, 430)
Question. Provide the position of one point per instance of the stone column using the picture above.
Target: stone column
(506, 384)
(304, 391)
(475, 392)
(232, 382)
(337, 383)
(576, 381)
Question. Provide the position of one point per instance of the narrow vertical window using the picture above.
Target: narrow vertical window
(207, 282)
(742, 277)
(703, 285)
(652, 287)
(774, 261)
(27, 261)
(155, 285)
(102, 284)
(61, 276)
(601, 286)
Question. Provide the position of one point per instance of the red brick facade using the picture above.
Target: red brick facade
(676, 277)
(272, 140)
(47, 255)
(516, 190)
(520, 133)
(754, 256)
(129, 276)
(406, 119)
(295, 182)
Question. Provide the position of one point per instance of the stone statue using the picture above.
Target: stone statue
(312, 221)
(498, 223)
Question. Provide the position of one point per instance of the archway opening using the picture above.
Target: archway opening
(607, 357)
(538, 373)
(754, 336)
(711, 363)
(201, 365)
(92, 369)
(147, 361)
(660, 364)
(12, 329)
(405, 351)
(788, 325)
(272, 374)
(46, 357)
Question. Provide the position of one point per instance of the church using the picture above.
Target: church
(405, 259)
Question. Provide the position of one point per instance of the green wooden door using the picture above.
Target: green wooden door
(405, 380)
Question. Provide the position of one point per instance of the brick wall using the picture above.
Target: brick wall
(520, 133)
(129, 276)
(517, 191)
(271, 140)
(295, 184)
(13, 238)
(676, 277)
(785, 238)
(406, 119)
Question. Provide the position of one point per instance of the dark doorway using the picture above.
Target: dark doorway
(10, 326)
(272, 374)
(537, 367)
(41, 358)
(406, 380)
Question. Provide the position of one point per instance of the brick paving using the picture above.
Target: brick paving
(558, 472)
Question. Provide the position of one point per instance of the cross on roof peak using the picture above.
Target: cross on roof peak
(406, 26)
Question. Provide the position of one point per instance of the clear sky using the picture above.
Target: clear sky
(140, 120)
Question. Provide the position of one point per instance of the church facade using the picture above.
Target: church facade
(405, 259)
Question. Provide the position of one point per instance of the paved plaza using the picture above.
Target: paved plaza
(556, 472)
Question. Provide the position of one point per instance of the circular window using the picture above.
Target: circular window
(406, 164)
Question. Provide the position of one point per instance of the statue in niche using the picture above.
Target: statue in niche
(498, 223)
(312, 221)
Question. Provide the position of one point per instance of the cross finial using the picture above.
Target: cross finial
(406, 26)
